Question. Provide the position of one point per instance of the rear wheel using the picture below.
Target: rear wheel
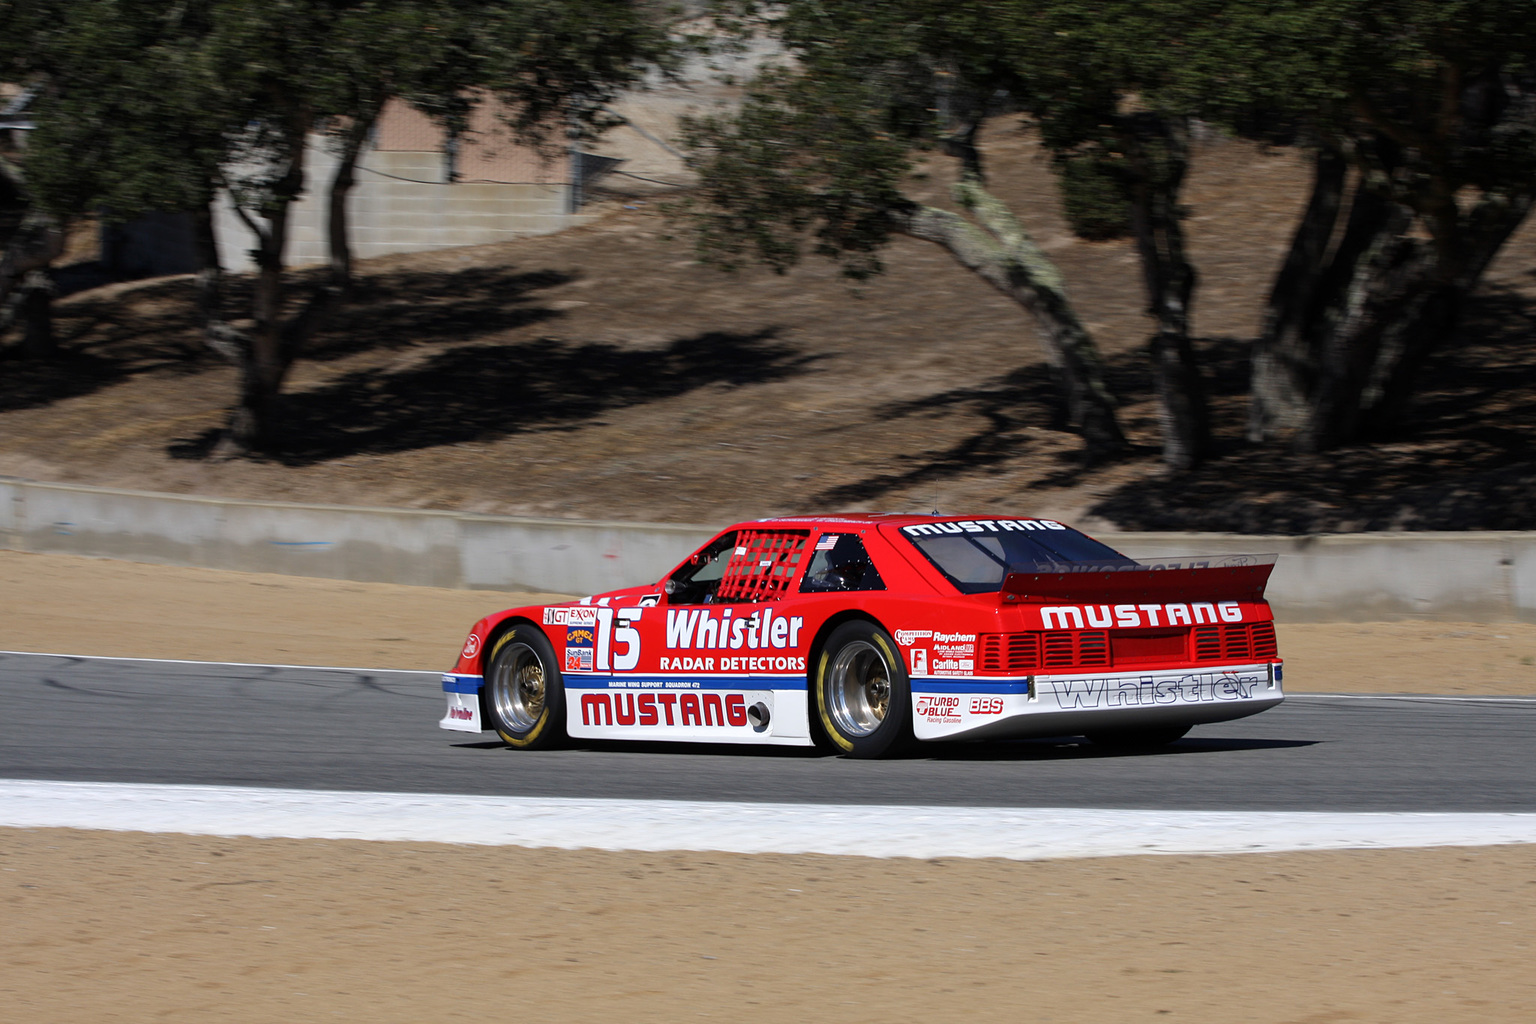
(525, 697)
(1138, 739)
(863, 696)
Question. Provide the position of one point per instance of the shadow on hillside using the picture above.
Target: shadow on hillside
(1023, 400)
(106, 339)
(1465, 458)
(404, 307)
(103, 342)
(1010, 404)
(475, 392)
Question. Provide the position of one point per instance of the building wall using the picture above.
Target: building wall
(403, 202)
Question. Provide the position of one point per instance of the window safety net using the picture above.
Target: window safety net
(762, 565)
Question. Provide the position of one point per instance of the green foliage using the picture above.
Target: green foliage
(129, 118)
(145, 100)
(1093, 197)
(822, 142)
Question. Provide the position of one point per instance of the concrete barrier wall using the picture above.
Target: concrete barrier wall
(1376, 576)
(1346, 577)
(433, 549)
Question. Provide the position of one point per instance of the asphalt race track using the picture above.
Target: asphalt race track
(103, 720)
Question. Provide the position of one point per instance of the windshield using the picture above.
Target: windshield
(975, 555)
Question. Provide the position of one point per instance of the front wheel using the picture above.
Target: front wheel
(862, 692)
(525, 697)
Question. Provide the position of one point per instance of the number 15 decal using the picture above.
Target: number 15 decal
(623, 634)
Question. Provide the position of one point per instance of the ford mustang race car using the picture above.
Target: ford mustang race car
(870, 632)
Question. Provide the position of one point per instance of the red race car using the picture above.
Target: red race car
(869, 632)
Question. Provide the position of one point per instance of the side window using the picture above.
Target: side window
(840, 563)
(699, 580)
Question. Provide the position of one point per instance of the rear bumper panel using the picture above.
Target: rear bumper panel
(1056, 705)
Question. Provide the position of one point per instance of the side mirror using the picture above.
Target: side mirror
(670, 587)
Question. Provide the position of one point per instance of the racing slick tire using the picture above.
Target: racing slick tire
(524, 694)
(1138, 739)
(863, 696)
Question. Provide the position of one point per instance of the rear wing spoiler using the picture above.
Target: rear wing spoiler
(1200, 578)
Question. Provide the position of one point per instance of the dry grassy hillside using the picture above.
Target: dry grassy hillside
(603, 373)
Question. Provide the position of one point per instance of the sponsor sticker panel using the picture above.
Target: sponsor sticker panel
(1122, 690)
(1133, 616)
(704, 714)
(937, 713)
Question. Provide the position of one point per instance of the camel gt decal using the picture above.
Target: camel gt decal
(579, 644)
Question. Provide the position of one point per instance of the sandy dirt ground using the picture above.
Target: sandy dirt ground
(177, 928)
(105, 926)
(73, 605)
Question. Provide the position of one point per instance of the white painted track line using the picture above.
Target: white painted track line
(655, 825)
(227, 664)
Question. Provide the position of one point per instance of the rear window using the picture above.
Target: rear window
(976, 555)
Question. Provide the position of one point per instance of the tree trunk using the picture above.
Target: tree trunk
(210, 274)
(1389, 385)
(1386, 287)
(1159, 158)
(38, 340)
(26, 287)
(1008, 259)
(1283, 366)
(352, 140)
(266, 359)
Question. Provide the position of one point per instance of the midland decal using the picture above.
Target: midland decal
(1103, 616)
(981, 526)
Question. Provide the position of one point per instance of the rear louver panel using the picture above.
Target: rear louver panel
(1092, 648)
(1064, 649)
(1014, 653)
(1235, 642)
(1022, 653)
